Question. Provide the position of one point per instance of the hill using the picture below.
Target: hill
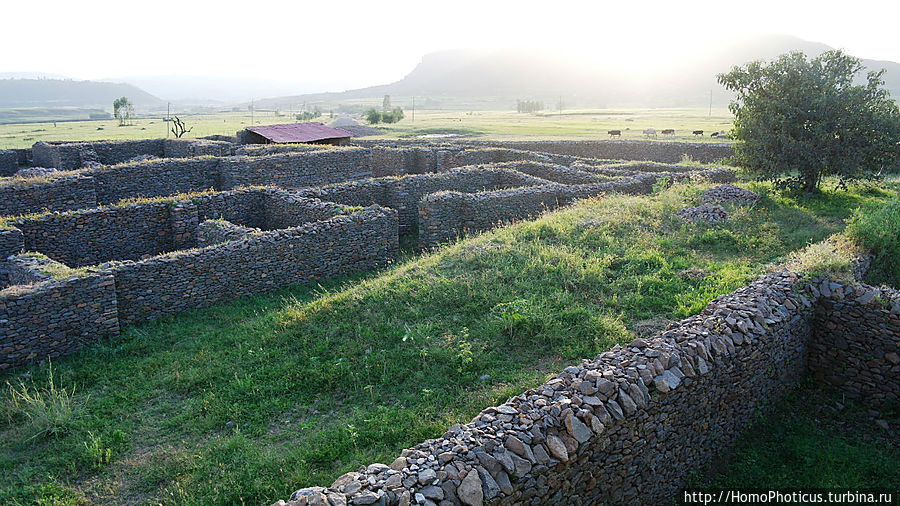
(44, 93)
(499, 77)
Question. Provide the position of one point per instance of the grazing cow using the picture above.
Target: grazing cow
(714, 134)
(615, 133)
(668, 131)
(650, 132)
(698, 132)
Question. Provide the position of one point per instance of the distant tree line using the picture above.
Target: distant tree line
(374, 116)
(308, 115)
(529, 106)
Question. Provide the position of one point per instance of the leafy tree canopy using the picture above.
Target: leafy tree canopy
(807, 118)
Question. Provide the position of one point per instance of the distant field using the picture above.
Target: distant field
(495, 125)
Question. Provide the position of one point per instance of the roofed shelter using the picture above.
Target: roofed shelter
(308, 133)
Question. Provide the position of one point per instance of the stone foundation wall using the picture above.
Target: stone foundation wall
(297, 169)
(155, 178)
(404, 193)
(31, 269)
(624, 428)
(256, 263)
(212, 232)
(73, 155)
(553, 172)
(9, 162)
(658, 151)
(308, 239)
(188, 148)
(55, 318)
(856, 346)
(11, 243)
(93, 236)
(87, 188)
(62, 192)
(245, 207)
(283, 210)
(446, 215)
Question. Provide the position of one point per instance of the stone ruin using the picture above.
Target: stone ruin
(105, 240)
(730, 194)
(629, 426)
(705, 212)
(144, 229)
(711, 210)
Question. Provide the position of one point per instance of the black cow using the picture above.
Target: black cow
(698, 132)
(615, 133)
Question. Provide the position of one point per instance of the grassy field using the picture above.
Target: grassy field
(247, 401)
(496, 125)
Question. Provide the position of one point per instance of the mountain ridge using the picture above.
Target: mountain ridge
(511, 74)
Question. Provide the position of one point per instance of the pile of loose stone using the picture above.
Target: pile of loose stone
(710, 211)
(728, 193)
(704, 212)
(35, 172)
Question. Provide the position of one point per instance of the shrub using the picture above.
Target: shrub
(49, 410)
(877, 228)
(373, 116)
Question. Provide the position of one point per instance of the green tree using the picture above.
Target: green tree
(398, 114)
(123, 111)
(808, 116)
(373, 116)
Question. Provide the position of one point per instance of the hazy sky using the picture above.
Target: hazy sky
(348, 43)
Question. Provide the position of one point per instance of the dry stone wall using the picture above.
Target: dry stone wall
(260, 262)
(73, 155)
(212, 232)
(31, 268)
(658, 151)
(55, 318)
(857, 344)
(404, 193)
(87, 188)
(278, 239)
(446, 215)
(59, 192)
(9, 162)
(296, 170)
(155, 178)
(629, 426)
(93, 236)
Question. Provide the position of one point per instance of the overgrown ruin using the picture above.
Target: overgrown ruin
(130, 231)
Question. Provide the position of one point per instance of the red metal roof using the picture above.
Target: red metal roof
(299, 132)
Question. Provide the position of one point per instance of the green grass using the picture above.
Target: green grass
(815, 439)
(250, 400)
(493, 125)
(877, 228)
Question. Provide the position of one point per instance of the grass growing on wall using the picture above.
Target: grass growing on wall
(247, 401)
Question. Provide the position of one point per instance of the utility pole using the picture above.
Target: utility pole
(560, 106)
(168, 117)
(251, 112)
(710, 105)
(414, 110)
